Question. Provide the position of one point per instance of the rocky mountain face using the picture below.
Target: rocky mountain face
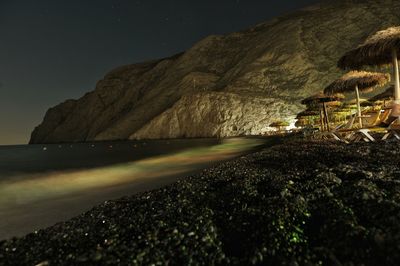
(212, 114)
(228, 85)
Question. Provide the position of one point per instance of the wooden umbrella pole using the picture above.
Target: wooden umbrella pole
(358, 107)
(396, 77)
(321, 119)
(326, 117)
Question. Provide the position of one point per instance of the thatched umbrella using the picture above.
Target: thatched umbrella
(387, 95)
(335, 104)
(353, 102)
(367, 104)
(301, 122)
(381, 48)
(307, 115)
(322, 99)
(279, 124)
(358, 81)
(341, 114)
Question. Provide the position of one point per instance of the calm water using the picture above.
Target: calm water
(22, 159)
(44, 184)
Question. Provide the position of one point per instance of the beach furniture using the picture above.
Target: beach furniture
(393, 129)
(321, 101)
(358, 81)
(379, 49)
(280, 125)
(307, 118)
(384, 98)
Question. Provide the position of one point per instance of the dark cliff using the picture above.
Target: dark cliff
(224, 85)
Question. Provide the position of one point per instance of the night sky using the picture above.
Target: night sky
(52, 50)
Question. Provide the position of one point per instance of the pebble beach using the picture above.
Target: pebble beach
(297, 203)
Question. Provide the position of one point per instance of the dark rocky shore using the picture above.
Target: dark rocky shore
(295, 204)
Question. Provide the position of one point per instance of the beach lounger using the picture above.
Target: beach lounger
(364, 134)
(392, 132)
(338, 132)
(370, 120)
(392, 123)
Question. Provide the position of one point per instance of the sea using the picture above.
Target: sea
(41, 185)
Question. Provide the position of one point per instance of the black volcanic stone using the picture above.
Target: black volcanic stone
(301, 203)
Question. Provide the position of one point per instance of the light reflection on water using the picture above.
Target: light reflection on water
(31, 201)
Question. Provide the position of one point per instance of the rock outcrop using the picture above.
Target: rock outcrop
(266, 70)
(212, 114)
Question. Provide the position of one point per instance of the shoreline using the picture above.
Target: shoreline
(35, 201)
(301, 202)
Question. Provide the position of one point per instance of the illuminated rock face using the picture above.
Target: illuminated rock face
(280, 61)
(215, 114)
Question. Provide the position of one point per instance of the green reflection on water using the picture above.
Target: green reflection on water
(57, 184)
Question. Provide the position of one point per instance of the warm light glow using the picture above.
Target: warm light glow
(58, 184)
(292, 124)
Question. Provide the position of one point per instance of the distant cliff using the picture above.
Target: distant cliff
(224, 85)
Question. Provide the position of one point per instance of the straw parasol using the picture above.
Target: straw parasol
(381, 48)
(322, 99)
(307, 113)
(279, 124)
(300, 123)
(334, 104)
(367, 104)
(303, 122)
(358, 81)
(341, 113)
(387, 95)
(353, 102)
(372, 106)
